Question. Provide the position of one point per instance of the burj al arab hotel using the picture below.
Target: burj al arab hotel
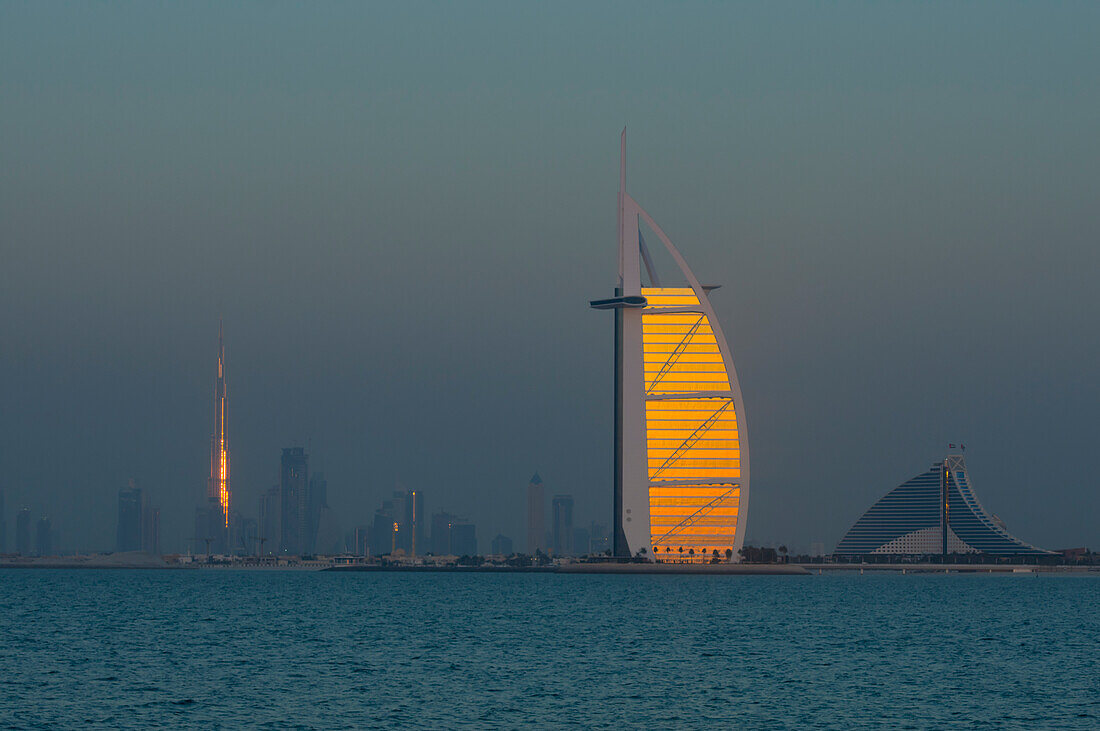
(681, 474)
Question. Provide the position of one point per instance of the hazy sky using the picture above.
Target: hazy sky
(402, 210)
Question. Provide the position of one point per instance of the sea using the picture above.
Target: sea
(323, 650)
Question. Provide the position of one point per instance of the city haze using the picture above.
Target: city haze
(401, 212)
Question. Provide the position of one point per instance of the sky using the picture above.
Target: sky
(401, 210)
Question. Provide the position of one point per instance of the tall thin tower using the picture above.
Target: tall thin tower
(217, 488)
(536, 515)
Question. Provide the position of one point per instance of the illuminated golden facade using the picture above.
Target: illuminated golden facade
(692, 447)
(217, 487)
(681, 455)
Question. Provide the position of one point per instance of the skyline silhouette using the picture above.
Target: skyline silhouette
(402, 219)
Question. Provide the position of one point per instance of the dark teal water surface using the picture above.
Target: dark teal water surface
(274, 649)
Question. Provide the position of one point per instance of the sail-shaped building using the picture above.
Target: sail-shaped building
(934, 513)
(681, 466)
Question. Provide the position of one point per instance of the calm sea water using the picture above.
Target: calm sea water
(324, 650)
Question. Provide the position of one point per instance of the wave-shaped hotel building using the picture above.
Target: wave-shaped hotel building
(681, 468)
(936, 512)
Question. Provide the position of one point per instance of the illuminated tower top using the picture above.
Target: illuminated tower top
(217, 488)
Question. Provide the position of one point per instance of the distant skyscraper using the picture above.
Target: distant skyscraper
(536, 515)
(270, 523)
(598, 539)
(318, 502)
(563, 525)
(405, 509)
(463, 539)
(212, 529)
(414, 522)
(150, 534)
(581, 541)
(131, 515)
(294, 501)
(248, 534)
(210, 533)
(383, 540)
(358, 540)
(138, 522)
(398, 512)
(501, 546)
(23, 532)
(235, 542)
(218, 485)
(43, 543)
(441, 533)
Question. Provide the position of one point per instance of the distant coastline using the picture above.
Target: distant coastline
(142, 561)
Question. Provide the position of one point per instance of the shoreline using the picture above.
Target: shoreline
(606, 568)
(708, 569)
(958, 568)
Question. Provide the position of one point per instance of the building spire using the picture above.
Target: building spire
(622, 194)
(622, 161)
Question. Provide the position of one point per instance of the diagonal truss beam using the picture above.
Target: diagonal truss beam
(681, 348)
(692, 439)
(696, 516)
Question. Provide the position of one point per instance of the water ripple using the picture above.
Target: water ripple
(134, 649)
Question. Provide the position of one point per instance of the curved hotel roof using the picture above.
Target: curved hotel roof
(681, 458)
(936, 512)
